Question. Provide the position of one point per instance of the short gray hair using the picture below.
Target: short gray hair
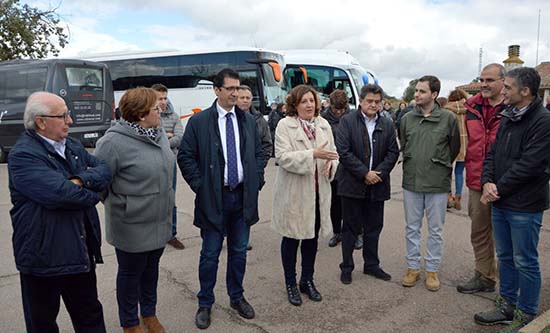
(35, 107)
(501, 69)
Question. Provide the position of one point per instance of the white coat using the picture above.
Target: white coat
(294, 198)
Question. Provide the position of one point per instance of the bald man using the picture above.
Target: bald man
(54, 186)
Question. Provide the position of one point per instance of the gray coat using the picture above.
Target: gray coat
(171, 123)
(264, 133)
(140, 198)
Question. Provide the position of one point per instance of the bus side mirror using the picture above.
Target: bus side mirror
(276, 68)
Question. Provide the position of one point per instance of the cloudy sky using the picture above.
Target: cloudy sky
(398, 39)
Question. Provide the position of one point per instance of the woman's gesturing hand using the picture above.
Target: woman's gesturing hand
(324, 154)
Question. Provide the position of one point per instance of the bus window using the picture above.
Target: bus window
(17, 85)
(83, 78)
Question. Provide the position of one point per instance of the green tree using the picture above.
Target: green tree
(408, 94)
(27, 32)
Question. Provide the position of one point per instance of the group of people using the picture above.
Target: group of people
(331, 166)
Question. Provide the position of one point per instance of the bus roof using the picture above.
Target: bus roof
(164, 53)
(32, 62)
(321, 57)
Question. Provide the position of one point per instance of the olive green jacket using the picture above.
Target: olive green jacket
(430, 146)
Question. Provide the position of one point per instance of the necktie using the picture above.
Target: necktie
(232, 173)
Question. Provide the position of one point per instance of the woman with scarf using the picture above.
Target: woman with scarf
(307, 159)
(455, 103)
(138, 205)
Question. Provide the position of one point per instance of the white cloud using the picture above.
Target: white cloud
(400, 39)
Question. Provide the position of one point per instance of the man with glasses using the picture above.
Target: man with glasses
(221, 159)
(430, 140)
(54, 186)
(368, 152)
(482, 121)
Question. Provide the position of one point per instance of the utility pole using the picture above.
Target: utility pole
(538, 39)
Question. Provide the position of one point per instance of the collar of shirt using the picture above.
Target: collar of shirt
(59, 146)
(222, 112)
(369, 121)
(523, 109)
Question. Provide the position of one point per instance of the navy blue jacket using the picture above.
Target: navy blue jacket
(519, 160)
(55, 223)
(354, 164)
(200, 158)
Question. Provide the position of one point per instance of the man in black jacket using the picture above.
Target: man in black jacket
(515, 182)
(368, 152)
(221, 159)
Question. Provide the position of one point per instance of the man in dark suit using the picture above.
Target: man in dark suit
(368, 152)
(221, 159)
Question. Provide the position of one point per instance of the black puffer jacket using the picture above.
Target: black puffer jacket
(519, 160)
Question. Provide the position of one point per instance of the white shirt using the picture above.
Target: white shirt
(222, 119)
(371, 124)
(59, 146)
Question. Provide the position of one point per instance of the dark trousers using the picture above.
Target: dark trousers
(366, 214)
(136, 282)
(41, 300)
(335, 208)
(308, 248)
(237, 232)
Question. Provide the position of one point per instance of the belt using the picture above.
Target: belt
(229, 189)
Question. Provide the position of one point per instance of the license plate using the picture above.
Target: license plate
(90, 135)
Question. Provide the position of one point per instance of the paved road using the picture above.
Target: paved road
(367, 305)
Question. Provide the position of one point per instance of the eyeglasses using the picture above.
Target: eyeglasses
(373, 101)
(488, 80)
(65, 116)
(231, 89)
(156, 109)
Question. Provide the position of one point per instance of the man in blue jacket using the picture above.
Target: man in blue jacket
(54, 185)
(221, 159)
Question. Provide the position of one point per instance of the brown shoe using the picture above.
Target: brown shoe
(176, 243)
(409, 280)
(133, 329)
(458, 206)
(153, 325)
(432, 281)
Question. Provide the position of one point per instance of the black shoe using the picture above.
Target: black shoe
(475, 285)
(249, 247)
(244, 309)
(308, 288)
(378, 273)
(337, 238)
(202, 318)
(359, 242)
(293, 295)
(345, 278)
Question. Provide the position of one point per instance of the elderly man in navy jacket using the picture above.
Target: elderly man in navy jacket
(221, 159)
(368, 152)
(54, 185)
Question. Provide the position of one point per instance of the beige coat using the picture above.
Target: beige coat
(459, 110)
(294, 198)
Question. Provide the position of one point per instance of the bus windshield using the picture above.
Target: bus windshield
(188, 77)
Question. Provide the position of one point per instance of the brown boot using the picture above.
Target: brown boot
(410, 278)
(133, 329)
(458, 206)
(153, 325)
(432, 281)
(450, 201)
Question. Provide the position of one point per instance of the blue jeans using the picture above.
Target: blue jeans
(435, 205)
(459, 177)
(516, 239)
(237, 232)
(136, 282)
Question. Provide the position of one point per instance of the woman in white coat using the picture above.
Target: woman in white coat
(307, 159)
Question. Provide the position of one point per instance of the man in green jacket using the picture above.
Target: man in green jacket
(430, 141)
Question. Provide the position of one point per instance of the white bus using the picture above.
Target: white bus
(188, 75)
(326, 70)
